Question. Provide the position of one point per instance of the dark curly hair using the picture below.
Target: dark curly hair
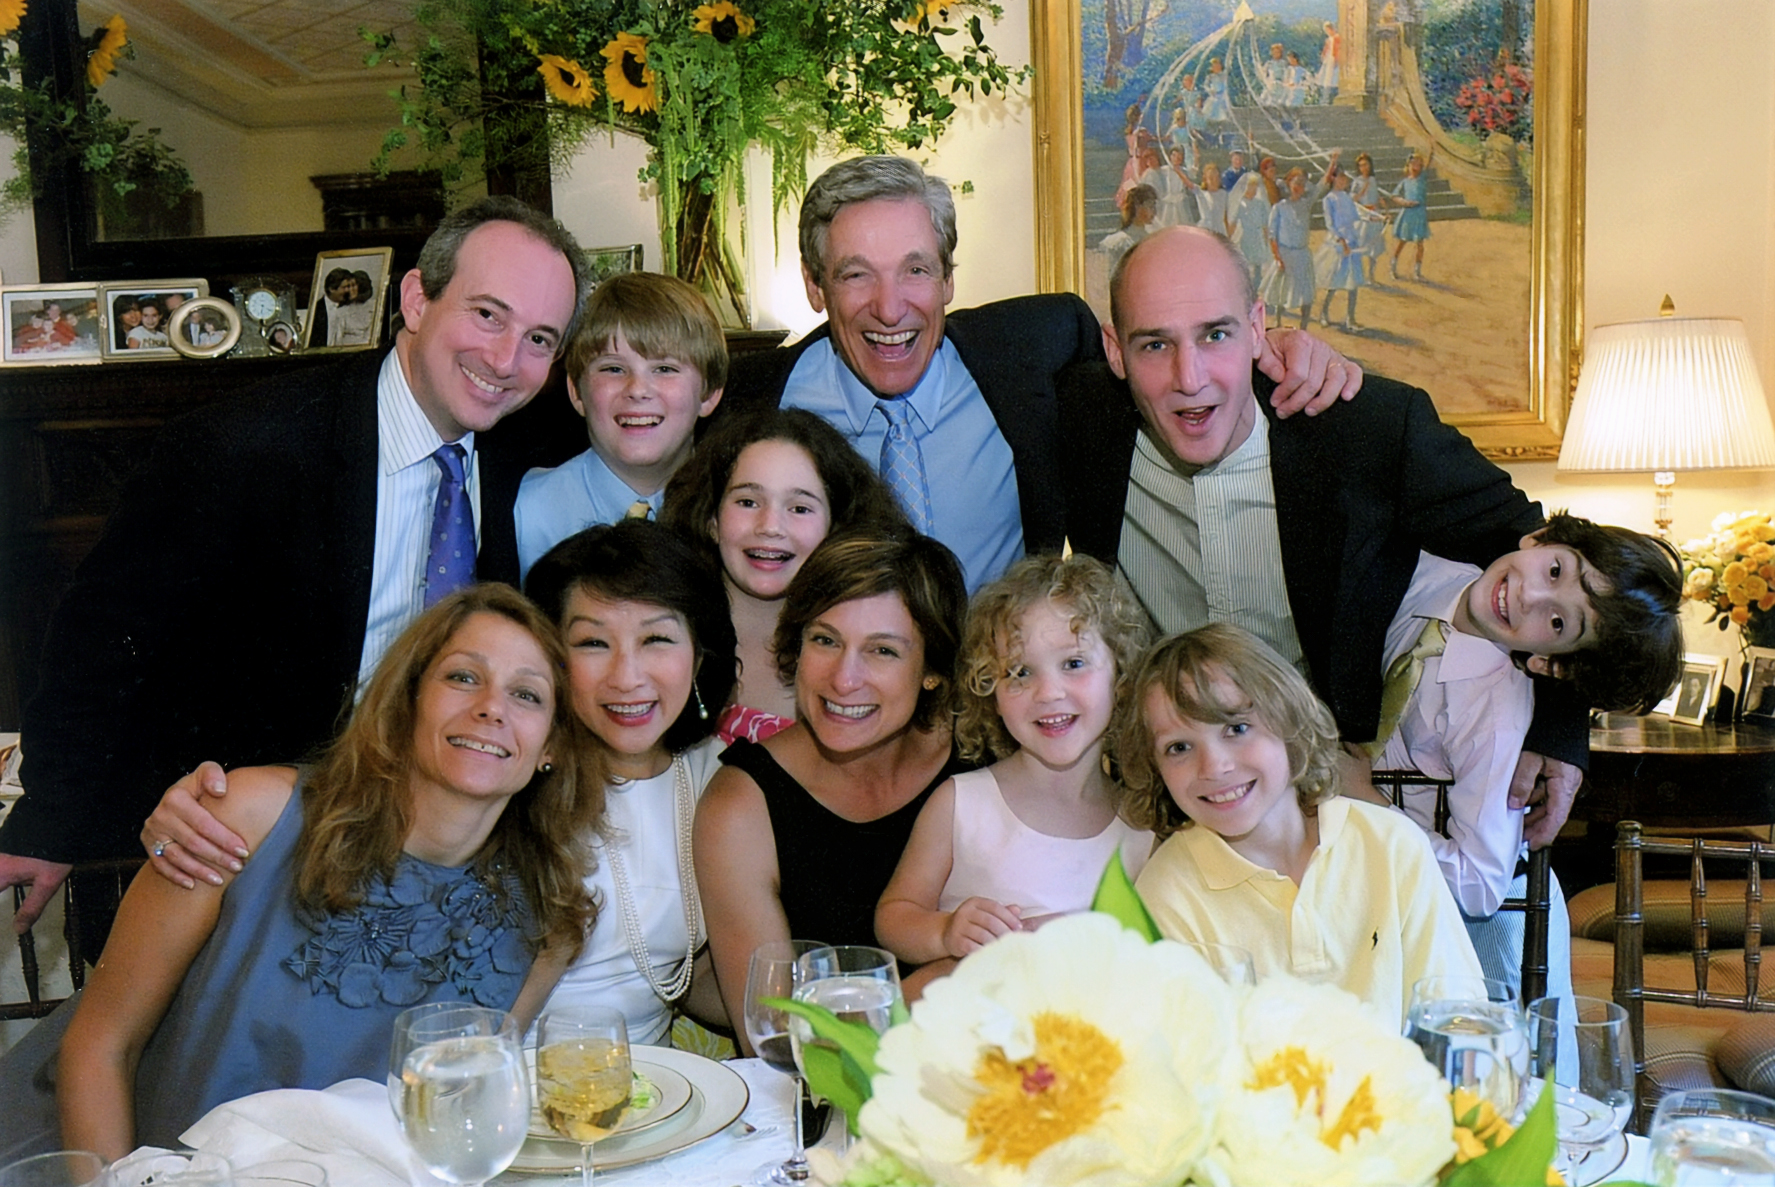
(1637, 654)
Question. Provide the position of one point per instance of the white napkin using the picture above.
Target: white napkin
(348, 1129)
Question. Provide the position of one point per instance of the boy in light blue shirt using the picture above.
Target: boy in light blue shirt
(649, 361)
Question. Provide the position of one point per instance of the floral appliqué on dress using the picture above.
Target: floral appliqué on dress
(416, 931)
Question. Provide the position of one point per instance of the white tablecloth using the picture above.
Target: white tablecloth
(350, 1130)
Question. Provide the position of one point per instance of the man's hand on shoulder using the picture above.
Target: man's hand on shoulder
(1310, 376)
(43, 877)
(1547, 788)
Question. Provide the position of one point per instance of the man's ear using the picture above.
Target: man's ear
(413, 300)
(1112, 349)
(816, 296)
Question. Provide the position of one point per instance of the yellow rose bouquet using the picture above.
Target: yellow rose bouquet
(1732, 573)
(1094, 1052)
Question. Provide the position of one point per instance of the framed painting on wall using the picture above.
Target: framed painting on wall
(1456, 126)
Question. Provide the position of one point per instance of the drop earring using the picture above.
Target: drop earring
(702, 710)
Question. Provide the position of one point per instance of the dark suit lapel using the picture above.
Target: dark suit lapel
(346, 516)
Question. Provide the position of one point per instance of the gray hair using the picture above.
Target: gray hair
(437, 259)
(864, 179)
(1234, 261)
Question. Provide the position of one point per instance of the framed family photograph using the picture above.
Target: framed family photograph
(347, 298)
(138, 312)
(1405, 178)
(51, 324)
(1696, 689)
(205, 329)
(1757, 701)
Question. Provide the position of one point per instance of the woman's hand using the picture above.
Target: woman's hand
(978, 922)
(185, 841)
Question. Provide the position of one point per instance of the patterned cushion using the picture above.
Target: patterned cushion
(1746, 1054)
(1665, 906)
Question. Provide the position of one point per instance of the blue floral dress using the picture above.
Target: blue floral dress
(281, 998)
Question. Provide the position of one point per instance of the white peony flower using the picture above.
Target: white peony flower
(1328, 1094)
(1074, 1054)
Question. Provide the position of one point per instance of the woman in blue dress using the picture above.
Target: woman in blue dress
(388, 874)
(1412, 223)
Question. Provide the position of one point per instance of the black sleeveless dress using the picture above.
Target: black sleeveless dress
(832, 870)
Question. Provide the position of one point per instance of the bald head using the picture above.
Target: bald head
(1152, 243)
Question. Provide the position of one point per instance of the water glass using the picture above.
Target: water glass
(1713, 1137)
(1583, 1049)
(1471, 1030)
(465, 1094)
(159, 1168)
(283, 1172)
(63, 1168)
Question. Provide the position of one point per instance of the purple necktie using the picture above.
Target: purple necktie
(450, 564)
(902, 464)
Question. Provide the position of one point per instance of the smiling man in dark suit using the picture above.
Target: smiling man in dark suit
(271, 546)
(1305, 533)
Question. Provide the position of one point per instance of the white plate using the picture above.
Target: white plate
(718, 1096)
(1594, 1167)
(671, 1090)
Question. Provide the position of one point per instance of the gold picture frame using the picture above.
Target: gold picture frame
(371, 289)
(1508, 419)
(1697, 689)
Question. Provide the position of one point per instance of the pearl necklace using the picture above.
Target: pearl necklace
(685, 805)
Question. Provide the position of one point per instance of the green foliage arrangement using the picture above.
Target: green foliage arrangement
(80, 128)
(508, 83)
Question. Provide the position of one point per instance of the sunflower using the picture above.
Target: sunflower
(627, 77)
(930, 13)
(566, 80)
(102, 62)
(723, 21)
(13, 11)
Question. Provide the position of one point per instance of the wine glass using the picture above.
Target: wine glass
(1472, 1030)
(1713, 1137)
(465, 1096)
(430, 1022)
(584, 1075)
(62, 1168)
(772, 974)
(1582, 1049)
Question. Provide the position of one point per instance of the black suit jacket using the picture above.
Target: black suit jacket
(221, 615)
(1014, 349)
(1361, 489)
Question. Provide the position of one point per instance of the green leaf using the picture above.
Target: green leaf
(1520, 1162)
(1117, 897)
(842, 1067)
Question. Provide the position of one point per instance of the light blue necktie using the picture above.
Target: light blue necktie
(450, 563)
(902, 464)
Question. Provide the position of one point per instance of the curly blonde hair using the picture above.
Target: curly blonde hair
(1270, 691)
(359, 804)
(1078, 586)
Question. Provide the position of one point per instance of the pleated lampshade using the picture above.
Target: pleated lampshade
(1669, 394)
(1665, 395)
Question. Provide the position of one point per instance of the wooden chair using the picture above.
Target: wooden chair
(89, 901)
(1535, 904)
(1707, 968)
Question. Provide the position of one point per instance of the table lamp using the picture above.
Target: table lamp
(1665, 395)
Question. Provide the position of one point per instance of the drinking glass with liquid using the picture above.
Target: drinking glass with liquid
(465, 1099)
(1713, 1137)
(1471, 1030)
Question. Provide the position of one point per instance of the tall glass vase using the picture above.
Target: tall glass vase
(698, 252)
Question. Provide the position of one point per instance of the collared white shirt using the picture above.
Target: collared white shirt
(582, 492)
(968, 463)
(1204, 547)
(406, 494)
(1466, 722)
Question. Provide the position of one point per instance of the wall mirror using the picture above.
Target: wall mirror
(259, 98)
